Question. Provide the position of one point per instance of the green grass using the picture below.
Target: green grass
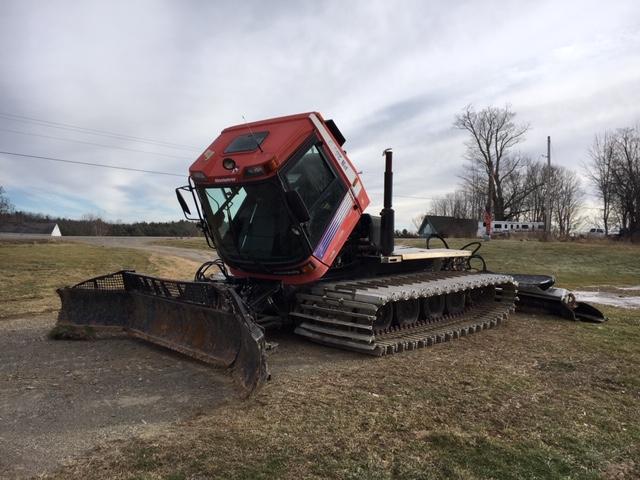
(537, 398)
(575, 264)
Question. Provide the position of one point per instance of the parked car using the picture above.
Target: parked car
(596, 232)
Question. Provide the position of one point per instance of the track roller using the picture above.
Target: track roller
(406, 312)
(384, 317)
(433, 307)
(455, 302)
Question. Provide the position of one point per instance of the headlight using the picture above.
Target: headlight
(254, 171)
(228, 163)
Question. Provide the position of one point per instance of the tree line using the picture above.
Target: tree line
(93, 225)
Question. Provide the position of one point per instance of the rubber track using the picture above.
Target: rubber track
(341, 314)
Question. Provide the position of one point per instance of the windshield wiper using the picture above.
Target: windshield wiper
(225, 205)
(246, 254)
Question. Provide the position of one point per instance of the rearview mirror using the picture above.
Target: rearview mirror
(182, 202)
(297, 206)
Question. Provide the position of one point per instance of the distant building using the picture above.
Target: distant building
(39, 229)
(447, 226)
(504, 227)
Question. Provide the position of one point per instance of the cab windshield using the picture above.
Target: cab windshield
(252, 224)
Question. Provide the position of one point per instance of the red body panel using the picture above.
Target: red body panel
(286, 135)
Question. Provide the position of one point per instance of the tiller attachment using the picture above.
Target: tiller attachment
(203, 320)
(536, 294)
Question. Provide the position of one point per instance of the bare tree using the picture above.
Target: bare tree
(534, 183)
(475, 185)
(566, 199)
(439, 206)
(601, 172)
(626, 178)
(457, 204)
(5, 204)
(520, 186)
(417, 221)
(523, 192)
(493, 134)
(615, 172)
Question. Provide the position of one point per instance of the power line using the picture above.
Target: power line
(416, 197)
(155, 172)
(409, 196)
(89, 143)
(102, 165)
(93, 131)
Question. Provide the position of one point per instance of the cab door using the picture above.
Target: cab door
(322, 190)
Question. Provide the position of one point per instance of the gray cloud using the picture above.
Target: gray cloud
(391, 74)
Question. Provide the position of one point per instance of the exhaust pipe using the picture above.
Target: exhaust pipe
(387, 222)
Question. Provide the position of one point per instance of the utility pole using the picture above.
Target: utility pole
(547, 203)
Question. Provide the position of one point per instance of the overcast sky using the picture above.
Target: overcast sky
(391, 74)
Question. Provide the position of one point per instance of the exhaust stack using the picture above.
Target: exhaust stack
(387, 222)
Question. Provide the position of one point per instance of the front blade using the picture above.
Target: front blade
(206, 321)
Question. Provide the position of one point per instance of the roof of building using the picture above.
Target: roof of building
(448, 225)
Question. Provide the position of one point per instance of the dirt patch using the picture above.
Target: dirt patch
(159, 245)
(61, 398)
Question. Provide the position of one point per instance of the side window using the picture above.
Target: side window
(310, 177)
(319, 187)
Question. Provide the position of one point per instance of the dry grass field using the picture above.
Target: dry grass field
(31, 271)
(196, 243)
(536, 398)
